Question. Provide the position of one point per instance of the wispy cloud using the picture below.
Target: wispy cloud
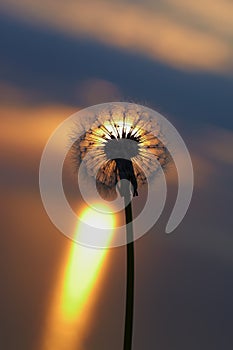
(182, 34)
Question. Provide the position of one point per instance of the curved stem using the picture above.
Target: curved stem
(130, 276)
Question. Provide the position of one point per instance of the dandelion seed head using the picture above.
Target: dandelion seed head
(120, 132)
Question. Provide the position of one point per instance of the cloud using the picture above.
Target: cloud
(28, 128)
(24, 133)
(215, 16)
(185, 36)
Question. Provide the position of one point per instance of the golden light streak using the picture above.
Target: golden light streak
(77, 288)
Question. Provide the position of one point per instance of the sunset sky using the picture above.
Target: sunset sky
(174, 56)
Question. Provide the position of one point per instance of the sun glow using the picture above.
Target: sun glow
(77, 287)
(119, 129)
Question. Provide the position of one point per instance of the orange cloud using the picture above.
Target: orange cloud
(24, 133)
(210, 15)
(157, 33)
(28, 128)
(25, 128)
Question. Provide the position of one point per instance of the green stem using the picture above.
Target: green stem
(130, 275)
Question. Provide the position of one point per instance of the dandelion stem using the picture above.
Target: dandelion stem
(130, 274)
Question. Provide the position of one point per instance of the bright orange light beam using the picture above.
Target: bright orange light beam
(76, 289)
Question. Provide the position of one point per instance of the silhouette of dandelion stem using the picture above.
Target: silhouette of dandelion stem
(129, 308)
(122, 144)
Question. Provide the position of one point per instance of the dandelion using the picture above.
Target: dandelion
(122, 142)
